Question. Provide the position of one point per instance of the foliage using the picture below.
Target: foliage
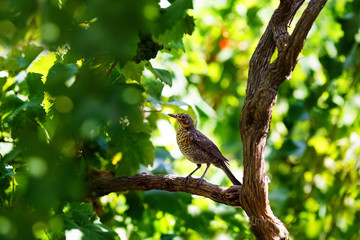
(78, 89)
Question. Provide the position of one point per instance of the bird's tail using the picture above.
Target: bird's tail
(229, 174)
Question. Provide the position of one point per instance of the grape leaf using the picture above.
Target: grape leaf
(36, 87)
(5, 172)
(184, 26)
(9, 103)
(153, 87)
(79, 217)
(12, 65)
(136, 149)
(174, 13)
(43, 65)
(31, 52)
(177, 44)
(2, 83)
(133, 71)
(80, 212)
(59, 77)
(162, 74)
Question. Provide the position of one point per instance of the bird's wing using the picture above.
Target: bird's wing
(206, 145)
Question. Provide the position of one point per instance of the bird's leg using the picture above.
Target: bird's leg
(188, 176)
(202, 177)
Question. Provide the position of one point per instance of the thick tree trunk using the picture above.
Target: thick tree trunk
(263, 81)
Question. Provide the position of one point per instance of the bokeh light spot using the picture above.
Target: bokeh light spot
(5, 225)
(50, 32)
(117, 157)
(7, 29)
(64, 104)
(37, 166)
(151, 12)
(90, 128)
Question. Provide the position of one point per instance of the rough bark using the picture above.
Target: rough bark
(263, 81)
(100, 186)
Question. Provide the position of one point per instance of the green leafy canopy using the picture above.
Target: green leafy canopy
(87, 84)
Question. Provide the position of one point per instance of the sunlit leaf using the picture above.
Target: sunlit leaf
(43, 65)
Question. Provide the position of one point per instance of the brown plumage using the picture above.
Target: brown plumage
(199, 149)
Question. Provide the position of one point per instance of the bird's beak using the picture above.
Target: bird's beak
(172, 115)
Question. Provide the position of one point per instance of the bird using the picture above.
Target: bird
(198, 148)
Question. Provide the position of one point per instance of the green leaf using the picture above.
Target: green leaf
(133, 71)
(10, 103)
(80, 217)
(334, 67)
(98, 231)
(253, 17)
(80, 212)
(12, 65)
(164, 76)
(5, 170)
(36, 87)
(176, 44)
(60, 78)
(5, 173)
(136, 149)
(173, 14)
(31, 52)
(43, 65)
(153, 87)
(176, 33)
(353, 58)
(26, 55)
(2, 83)
(21, 117)
(188, 24)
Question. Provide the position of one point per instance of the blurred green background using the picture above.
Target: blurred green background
(88, 83)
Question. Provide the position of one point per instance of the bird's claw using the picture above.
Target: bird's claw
(187, 179)
(199, 182)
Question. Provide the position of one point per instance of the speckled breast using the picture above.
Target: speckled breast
(190, 150)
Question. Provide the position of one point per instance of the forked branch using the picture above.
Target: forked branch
(263, 81)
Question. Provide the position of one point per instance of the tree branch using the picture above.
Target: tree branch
(283, 66)
(275, 35)
(102, 184)
(263, 82)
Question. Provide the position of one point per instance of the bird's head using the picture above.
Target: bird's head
(184, 120)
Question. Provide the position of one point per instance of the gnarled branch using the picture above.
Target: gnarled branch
(102, 184)
(263, 82)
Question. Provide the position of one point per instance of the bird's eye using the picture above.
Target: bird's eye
(182, 116)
